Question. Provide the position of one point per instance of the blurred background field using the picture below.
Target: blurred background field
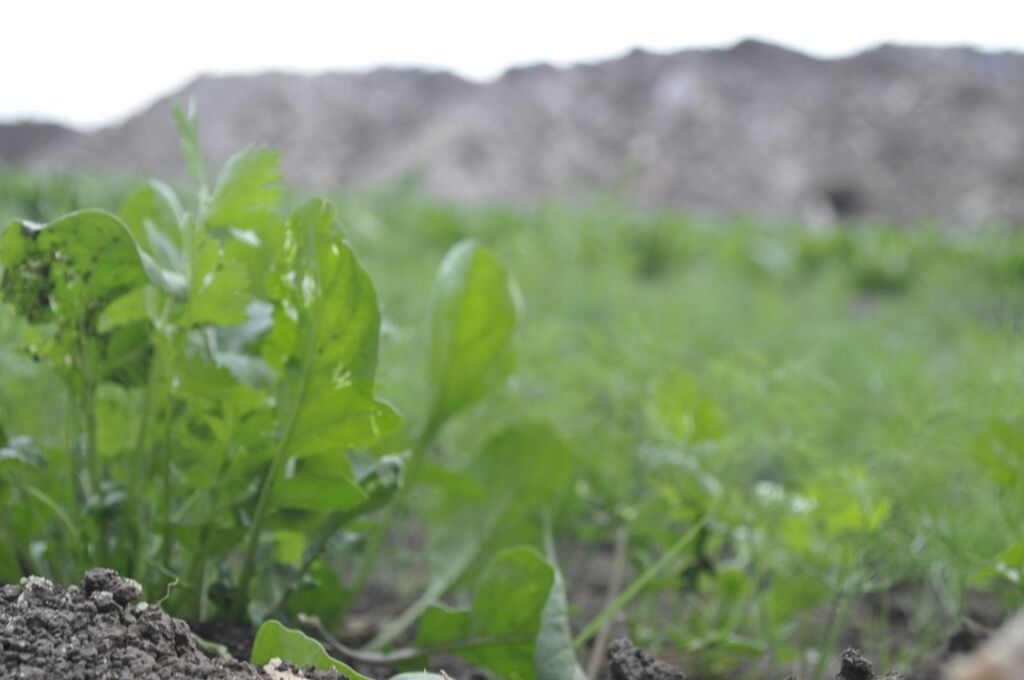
(844, 404)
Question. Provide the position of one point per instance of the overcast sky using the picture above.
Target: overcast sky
(92, 62)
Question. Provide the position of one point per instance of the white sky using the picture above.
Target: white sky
(92, 62)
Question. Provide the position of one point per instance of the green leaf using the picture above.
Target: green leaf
(324, 338)
(69, 270)
(323, 494)
(248, 192)
(188, 130)
(275, 641)
(219, 288)
(508, 600)
(555, 657)
(418, 676)
(473, 316)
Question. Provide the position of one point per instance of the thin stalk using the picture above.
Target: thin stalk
(71, 433)
(197, 570)
(276, 466)
(91, 454)
(167, 541)
(417, 453)
(836, 619)
(637, 586)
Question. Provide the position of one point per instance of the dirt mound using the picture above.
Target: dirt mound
(94, 631)
(894, 133)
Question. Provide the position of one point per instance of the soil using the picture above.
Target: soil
(626, 661)
(95, 631)
(855, 667)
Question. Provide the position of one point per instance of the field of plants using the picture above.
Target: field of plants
(455, 438)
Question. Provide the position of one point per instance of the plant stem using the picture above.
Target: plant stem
(417, 453)
(836, 619)
(639, 584)
(263, 501)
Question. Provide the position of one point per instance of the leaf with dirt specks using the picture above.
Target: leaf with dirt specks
(275, 641)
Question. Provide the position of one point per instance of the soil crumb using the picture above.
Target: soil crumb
(626, 661)
(854, 666)
(93, 631)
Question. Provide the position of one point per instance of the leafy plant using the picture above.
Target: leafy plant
(219, 362)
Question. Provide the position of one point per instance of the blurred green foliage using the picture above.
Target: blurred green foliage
(842, 407)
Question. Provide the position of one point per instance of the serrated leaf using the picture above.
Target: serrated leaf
(275, 641)
(472, 319)
(188, 130)
(219, 289)
(248, 192)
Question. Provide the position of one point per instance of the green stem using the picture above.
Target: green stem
(836, 619)
(263, 501)
(196, 572)
(637, 586)
(418, 452)
(92, 459)
(167, 542)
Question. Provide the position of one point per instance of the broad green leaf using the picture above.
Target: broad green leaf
(472, 319)
(275, 641)
(69, 270)
(248, 191)
(68, 273)
(418, 676)
(321, 494)
(324, 339)
(508, 600)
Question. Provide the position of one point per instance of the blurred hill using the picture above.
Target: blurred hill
(896, 134)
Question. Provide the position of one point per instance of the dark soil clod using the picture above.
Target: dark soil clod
(855, 667)
(626, 661)
(92, 631)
